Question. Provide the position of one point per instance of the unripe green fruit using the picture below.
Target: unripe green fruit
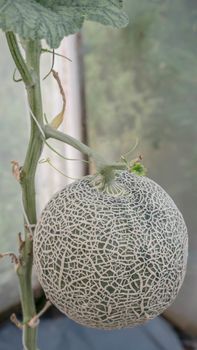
(111, 261)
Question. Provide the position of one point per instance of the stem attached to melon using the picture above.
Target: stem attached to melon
(51, 132)
(29, 70)
(104, 168)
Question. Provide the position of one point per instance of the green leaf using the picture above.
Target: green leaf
(52, 20)
(138, 168)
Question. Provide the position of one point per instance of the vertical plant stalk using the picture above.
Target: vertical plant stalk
(30, 73)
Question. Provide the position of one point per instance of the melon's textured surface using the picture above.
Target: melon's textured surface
(111, 261)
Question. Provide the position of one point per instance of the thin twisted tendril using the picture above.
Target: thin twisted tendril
(47, 160)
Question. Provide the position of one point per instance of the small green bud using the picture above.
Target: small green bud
(138, 168)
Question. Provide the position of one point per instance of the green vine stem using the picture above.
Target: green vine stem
(30, 73)
(51, 132)
(18, 58)
(105, 168)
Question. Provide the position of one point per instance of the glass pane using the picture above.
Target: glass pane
(141, 85)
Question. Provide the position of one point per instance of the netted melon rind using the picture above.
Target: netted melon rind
(111, 262)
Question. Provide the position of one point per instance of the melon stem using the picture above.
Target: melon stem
(105, 168)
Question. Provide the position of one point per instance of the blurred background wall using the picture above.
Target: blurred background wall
(141, 84)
